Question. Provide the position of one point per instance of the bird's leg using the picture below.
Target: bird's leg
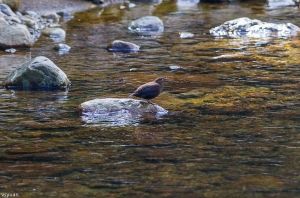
(150, 102)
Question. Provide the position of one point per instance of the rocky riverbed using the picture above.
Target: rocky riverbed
(225, 125)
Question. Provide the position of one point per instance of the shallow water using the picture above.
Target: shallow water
(233, 124)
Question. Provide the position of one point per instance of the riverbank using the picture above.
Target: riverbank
(41, 6)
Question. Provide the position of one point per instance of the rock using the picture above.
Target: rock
(29, 22)
(273, 4)
(14, 36)
(32, 14)
(2, 14)
(54, 32)
(186, 35)
(117, 111)
(65, 15)
(61, 46)
(13, 4)
(13, 19)
(147, 24)
(6, 10)
(38, 73)
(131, 5)
(53, 16)
(186, 4)
(174, 67)
(98, 1)
(245, 27)
(118, 45)
(12, 50)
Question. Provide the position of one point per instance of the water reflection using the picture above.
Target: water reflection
(233, 124)
(9, 62)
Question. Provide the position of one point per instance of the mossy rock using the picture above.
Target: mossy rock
(39, 73)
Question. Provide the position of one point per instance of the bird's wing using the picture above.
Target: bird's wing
(150, 91)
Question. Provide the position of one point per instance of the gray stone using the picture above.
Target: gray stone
(54, 32)
(118, 111)
(29, 22)
(174, 67)
(11, 50)
(118, 45)
(65, 15)
(32, 14)
(13, 19)
(14, 36)
(273, 4)
(184, 35)
(6, 10)
(245, 27)
(147, 24)
(13, 4)
(2, 14)
(61, 46)
(52, 16)
(39, 73)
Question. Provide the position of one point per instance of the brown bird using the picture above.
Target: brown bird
(150, 90)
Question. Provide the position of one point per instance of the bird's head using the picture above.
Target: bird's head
(161, 80)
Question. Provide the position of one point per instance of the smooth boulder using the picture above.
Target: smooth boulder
(14, 36)
(39, 73)
(245, 27)
(54, 32)
(147, 24)
(118, 111)
(122, 46)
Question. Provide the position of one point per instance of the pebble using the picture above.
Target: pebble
(174, 67)
(186, 35)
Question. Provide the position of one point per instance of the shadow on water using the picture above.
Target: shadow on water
(232, 128)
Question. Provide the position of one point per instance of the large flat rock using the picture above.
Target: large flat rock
(118, 111)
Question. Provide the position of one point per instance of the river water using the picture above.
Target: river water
(233, 124)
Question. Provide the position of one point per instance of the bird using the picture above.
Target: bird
(150, 90)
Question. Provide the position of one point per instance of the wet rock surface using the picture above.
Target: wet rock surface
(147, 24)
(122, 46)
(22, 30)
(39, 73)
(54, 33)
(14, 36)
(233, 124)
(62, 48)
(245, 27)
(117, 111)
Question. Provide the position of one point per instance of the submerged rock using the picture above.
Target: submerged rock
(117, 111)
(39, 73)
(62, 48)
(118, 45)
(14, 36)
(245, 27)
(147, 24)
